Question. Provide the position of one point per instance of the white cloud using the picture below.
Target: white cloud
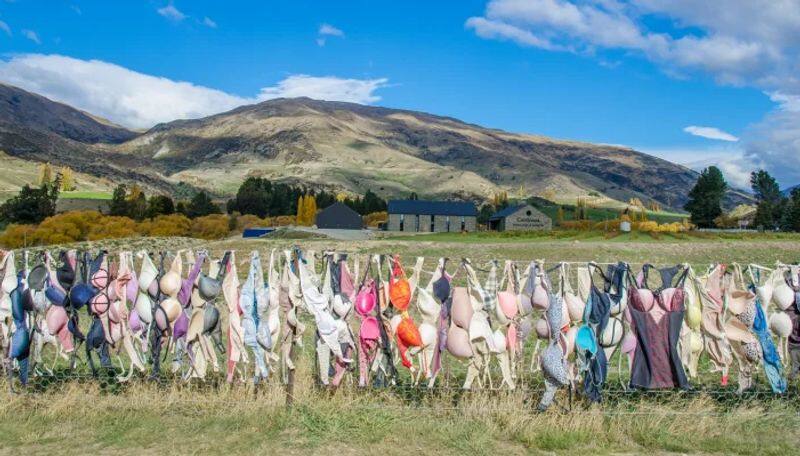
(326, 88)
(4, 27)
(326, 30)
(732, 160)
(754, 43)
(31, 35)
(710, 133)
(208, 22)
(140, 100)
(171, 13)
(76, 9)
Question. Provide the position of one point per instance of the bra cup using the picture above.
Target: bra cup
(629, 343)
(613, 333)
(736, 330)
(365, 301)
(780, 323)
(170, 283)
(507, 304)
(143, 307)
(542, 329)
(152, 290)
(783, 296)
(764, 293)
(524, 305)
(458, 342)
(341, 306)
(499, 341)
(56, 318)
(479, 329)
(500, 317)
(564, 315)
(408, 333)
(740, 301)
(369, 329)
(525, 328)
(428, 334)
(575, 306)
(132, 288)
(540, 299)
(461, 311)
(694, 317)
(427, 305)
(172, 308)
(569, 341)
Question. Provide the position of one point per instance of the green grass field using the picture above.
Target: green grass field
(86, 195)
(79, 417)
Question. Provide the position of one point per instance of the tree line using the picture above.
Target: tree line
(774, 210)
(261, 197)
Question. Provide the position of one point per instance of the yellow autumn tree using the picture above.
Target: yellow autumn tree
(301, 213)
(310, 208)
(45, 173)
(67, 179)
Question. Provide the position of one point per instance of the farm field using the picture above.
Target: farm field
(83, 416)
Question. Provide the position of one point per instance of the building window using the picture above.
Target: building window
(433, 224)
(447, 223)
(402, 221)
(463, 223)
(417, 223)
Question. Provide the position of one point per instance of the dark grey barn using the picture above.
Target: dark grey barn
(339, 216)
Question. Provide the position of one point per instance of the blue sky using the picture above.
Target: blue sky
(538, 66)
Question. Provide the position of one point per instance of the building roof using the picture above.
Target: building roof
(419, 207)
(507, 211)
(338, 215)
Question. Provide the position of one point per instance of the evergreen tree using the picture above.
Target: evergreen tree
(201, 205)
(119, 202)
(770, 200)
(705, 198)
(254, 197)
(137, 203)
(791, 218)
(486, 211)
(31, 205)
(160, 205)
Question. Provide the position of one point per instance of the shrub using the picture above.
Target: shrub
(112, 228)
(375, 218)
(166, 225)
(246, 221)
(213, 226)
(16, 236)
(67, 227)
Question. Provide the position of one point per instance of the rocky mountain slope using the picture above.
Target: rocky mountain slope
(337, 146)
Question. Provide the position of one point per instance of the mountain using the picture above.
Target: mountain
(36, 129)
(344, 146)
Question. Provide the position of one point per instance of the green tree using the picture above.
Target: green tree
(705, 198)
(791, 217)
(160, 205)
(253, 197)
(31, 205)
(119, 201)
(201, 205)
(770, 200)
(486, 211)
